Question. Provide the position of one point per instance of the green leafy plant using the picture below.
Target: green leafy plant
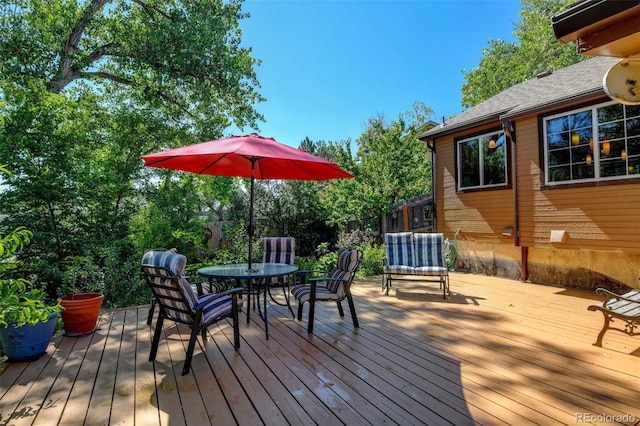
(372, 260)
(82, 276)
(20, 303)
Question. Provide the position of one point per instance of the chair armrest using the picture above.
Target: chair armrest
(328, 279)
(611, 296)
(303, 274)
(310, 271)
(204, 301)
(313, 281)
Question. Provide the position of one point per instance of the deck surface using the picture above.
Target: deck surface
(496, 352)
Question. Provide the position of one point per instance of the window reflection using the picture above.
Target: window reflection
(599, 142)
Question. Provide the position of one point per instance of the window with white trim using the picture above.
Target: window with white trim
(601, 142)
(482, 161)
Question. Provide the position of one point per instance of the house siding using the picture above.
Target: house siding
(481, 217)
(602, 223)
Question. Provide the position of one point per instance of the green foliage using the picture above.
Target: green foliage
(86, 89)
(372, 260)
(291, 208)
(81, 275)
(13, 241)
(19, 306)
(373, 253)
(504, 64)
(391, 165)
(182, 57)
(327, 261)
(172, 215)
(306, 263)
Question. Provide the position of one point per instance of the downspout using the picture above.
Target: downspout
(434, 212)
(509, 128)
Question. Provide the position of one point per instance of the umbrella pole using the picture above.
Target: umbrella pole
(251, 228)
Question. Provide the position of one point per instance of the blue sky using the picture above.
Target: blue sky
(328, 66)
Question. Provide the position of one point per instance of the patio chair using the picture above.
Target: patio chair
(199, 288)
(337, 287)
(163, 271)
(280, 250)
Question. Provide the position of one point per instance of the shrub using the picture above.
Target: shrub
(372, 261)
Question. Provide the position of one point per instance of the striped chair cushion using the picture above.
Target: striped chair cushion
(280, 250)
(429, 252)
(398, 269)
(160, 258)
(167, 265)
(398, 248)
(303, 292)
(218, 308)
(333, 289)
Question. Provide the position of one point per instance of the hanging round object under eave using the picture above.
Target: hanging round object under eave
(622, 82)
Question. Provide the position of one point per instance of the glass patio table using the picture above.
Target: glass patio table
(261, 273)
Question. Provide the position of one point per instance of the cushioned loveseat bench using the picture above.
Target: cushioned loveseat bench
(625, 307)
(410, 255)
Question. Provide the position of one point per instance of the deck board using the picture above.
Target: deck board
(496, 352)
(123, 406)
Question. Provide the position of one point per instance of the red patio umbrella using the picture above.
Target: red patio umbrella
(250, 156)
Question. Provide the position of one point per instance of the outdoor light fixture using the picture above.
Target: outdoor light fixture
(589, 159)
(606, 147)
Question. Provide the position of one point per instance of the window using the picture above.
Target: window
(482, 161)
(596, 143)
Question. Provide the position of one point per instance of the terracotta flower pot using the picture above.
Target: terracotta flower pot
(80, 313)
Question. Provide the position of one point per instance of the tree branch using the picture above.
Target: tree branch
(66, 68)
(147, 89)
(149, 7)
(98, 53)
(107, 76)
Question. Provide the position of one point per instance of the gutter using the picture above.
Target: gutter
(448, 129)
(568, 25)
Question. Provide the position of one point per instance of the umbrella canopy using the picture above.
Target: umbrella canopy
(249, 156)
(234, 156)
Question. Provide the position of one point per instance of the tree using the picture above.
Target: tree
(86, 88)
(391, 165)
(504, 64)
(181, 57)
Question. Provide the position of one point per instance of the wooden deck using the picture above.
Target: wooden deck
(497, 352)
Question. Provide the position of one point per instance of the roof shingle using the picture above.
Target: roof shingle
(571, 83)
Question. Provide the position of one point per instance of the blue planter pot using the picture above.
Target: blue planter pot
(27, 342)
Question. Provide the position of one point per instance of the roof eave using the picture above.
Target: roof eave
(469, 124)
(514, 113)
(583, 16)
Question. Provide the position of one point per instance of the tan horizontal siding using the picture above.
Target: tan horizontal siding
(478, 214)
(595, 217)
